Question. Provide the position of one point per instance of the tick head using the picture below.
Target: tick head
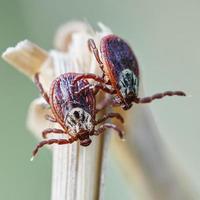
(129, 84)
(126, 106)
(84, 139)
(85, 142)
(79, 121)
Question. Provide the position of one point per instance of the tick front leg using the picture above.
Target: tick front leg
(104, 88)
(110, 115)
(92, 47)
(88, 76)
(52, 141)
(40, 88)
(103, 127)
(159, 96)
(96, 88)
(52, 130)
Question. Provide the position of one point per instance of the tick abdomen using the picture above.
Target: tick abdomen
(64, 98)
(117, 56)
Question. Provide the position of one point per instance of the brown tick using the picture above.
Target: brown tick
(74, 112)
(120, 73)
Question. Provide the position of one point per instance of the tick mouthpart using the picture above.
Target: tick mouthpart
(130, 96)
(127, 102)
(83, 134)
(85, 142)
(127, 106)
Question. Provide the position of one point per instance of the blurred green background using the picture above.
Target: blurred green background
(165, 37)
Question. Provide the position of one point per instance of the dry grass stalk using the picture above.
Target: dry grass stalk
(26, 57)
(77, 171)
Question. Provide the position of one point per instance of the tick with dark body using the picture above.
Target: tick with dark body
(120, 72)
(76, 113)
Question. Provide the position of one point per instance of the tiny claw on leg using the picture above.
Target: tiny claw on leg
(32, 158)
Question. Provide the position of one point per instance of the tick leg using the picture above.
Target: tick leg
(92, 47)
(40, 88)
(52, 141)
(103, 104)
(103, 127)
(96, 88)
(50, 118)
(159, 96)
(110, 115)
(52, 130)
(104, 88)
(88, 76)
(109, 101)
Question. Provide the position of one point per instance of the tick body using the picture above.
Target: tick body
(121, 68)
(120, 72)
(75, 112)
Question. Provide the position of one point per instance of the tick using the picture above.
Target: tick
(121, 74)
(74, 112)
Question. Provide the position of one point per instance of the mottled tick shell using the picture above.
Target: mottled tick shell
(117, 56)
(63, 98)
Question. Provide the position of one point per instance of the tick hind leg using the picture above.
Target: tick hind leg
(92, 47)
(103, 127)
(40, 88)
(159, 96)
(52, 141)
